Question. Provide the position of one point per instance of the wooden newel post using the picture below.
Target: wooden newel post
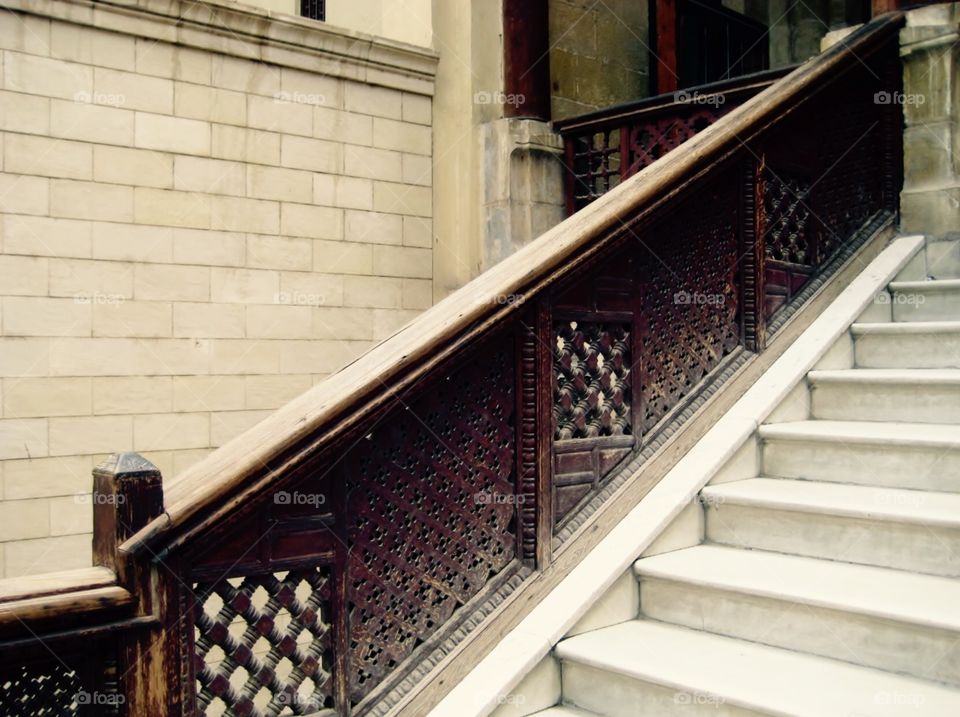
(127, 494)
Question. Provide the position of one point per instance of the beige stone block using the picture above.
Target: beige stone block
(342, 323)
(281, 184)
(230, 424)
(417, 294)
(324, 189)
(90, 434)
(401, 136)
(372, 292)
(195, 246)
(45, 477)
(402, 199)
(312, 88)
(417, 170)
(316, 155)
(130, 242)
(210, 104)
(269, 252)
(171, 208)
(132, 318)
(23, 519)
(172, 134)
(136, 167)
(208, 393)
(240, 356)
(387, 322)
(71, 515)
(321, 356)
(246, 145)
(32, 557)
(417, 108)
(309, 289)
(372, 163)
(41, 397)
(23, 438)
(133, 394)
(268, 392)
(24, 356)
(179, 63)
(224, 321)
(167, 431)
(237, 214)
(158, 282)
(22, 194)
(23, 275)
(24, 113)
(182, 460)
(90, 46)
(353, 193)
(244, 286)
(277, 116)
(91, 123)
(372, 100)
(403, 262)
(373, 227)
(234, 73)
(24, 33)
(128, 357)
(279, 322)
(46, 76)
(213, 176)
(26, 154)
(43, 236)
(308, 221)
(97, 281)
(36, 316)
(342, 257)
(132, 91)
(90, 200)
(340, 126)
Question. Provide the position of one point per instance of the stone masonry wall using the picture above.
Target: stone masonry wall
(196, 226)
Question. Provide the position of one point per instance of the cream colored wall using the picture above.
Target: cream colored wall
(189, 239)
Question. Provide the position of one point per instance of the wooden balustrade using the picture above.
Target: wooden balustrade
(331, 557)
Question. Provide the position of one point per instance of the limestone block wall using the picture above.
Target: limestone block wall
(204, 210)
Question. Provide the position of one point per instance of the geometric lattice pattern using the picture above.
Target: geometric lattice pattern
(596, 165)
(48, 690)
(263, 644)
(433, 511)
(787, 218)
(591, 365)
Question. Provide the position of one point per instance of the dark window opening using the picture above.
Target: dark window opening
(314, 9)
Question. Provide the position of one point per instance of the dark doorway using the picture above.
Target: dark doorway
(716, 43)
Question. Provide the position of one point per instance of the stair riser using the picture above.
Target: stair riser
(919, 548)
(943, 259)
(615, 695)
(926, 306)
(907, 351)
(864, 464)
(913, 403)
(898, 647)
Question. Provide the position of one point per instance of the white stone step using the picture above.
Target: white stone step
(642, 667)
(564, 711)
(943, 259)
(890, 619)
(935, 300)
(924, 395)
(904, 529)
(896, 455)
(921, 344)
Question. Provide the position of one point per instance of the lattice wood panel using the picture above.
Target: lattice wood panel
(263, 643)
(596, 165)
(432, 511)
(49, 690)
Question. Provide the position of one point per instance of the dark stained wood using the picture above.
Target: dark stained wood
(526, 59)
(665, 49)
(127, 494)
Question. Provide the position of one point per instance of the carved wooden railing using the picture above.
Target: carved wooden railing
(337, 552)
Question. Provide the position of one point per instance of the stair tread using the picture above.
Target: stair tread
(926, 285)
(906, 327)
(884, 432)
(880, 592)
(752, 676)
(844, 499)
(939, 376)
(564, 711)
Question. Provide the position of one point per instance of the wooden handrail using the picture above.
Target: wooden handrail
(201, 496)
